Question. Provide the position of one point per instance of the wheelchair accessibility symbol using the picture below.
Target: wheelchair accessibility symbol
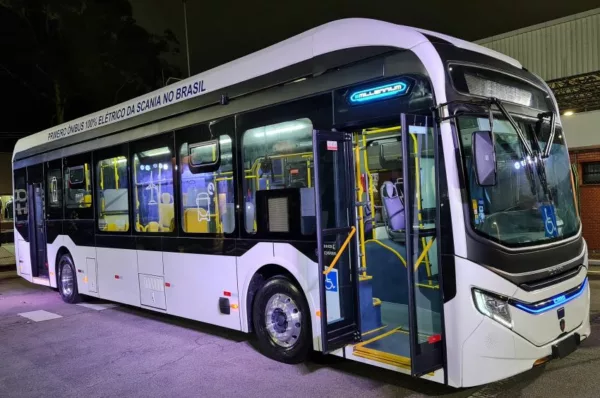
(331, 281)
(549, 218)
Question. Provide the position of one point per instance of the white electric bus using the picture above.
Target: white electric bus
(385, 194)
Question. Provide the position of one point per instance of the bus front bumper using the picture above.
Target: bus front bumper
(494, 352)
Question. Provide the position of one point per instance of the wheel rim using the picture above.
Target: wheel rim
(66, 279)
(283, 320)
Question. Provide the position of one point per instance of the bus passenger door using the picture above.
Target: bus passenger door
(37, 224)
(420, 161)
(336, 238)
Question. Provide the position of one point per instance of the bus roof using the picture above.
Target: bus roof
(332, 36)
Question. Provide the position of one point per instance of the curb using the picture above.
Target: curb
(8, 268)
(594, 269)
(594, 275)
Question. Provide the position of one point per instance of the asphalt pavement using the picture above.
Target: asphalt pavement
(103, 350)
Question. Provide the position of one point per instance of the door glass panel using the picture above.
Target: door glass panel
(335, 214)
(420, 193)
(38, 231)
(383, 281)
(336, 235)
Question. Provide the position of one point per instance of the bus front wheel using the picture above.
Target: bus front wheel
(281, 320)
(67, 280)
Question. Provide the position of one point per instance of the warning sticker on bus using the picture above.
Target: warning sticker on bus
(332, 145)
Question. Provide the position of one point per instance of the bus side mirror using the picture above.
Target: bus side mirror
(484, 158)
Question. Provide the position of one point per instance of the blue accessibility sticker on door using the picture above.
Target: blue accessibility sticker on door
(331, 281)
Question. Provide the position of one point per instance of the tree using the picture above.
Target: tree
(74, 57)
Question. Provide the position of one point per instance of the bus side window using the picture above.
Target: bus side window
(207, 186)
(54, 188)
(78, 192)
(153, 200)
(275, 156)
(112, 187)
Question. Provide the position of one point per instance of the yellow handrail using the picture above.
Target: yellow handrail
(116, 173)
(337, 256)
(390, 249)
(361, 213)
(370, 177)
(423, 254)
(384, 130)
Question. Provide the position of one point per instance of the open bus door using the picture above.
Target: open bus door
(420, 160)
(37, 222)
(336, 238)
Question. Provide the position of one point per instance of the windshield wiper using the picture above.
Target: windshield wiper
(539, 125)
(514, 124)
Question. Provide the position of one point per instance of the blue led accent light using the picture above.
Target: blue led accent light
(381, 92)
(553, 302)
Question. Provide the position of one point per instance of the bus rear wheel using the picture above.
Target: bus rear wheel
(67, 280)
(281, 320)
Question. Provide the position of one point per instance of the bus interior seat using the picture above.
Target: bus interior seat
(393, 206)
(117, 227)
(166, 211)
(152, 226)
(86, 200)
(192, 222)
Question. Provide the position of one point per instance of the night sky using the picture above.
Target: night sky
(221, 31)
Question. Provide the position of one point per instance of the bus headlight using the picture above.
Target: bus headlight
(493, 306)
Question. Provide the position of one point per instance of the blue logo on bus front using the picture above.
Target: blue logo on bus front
(559, 299)
(379, 92)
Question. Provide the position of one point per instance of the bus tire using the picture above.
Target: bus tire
(281, 320)
(67, 280)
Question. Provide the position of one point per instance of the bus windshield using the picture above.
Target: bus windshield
(514, 211)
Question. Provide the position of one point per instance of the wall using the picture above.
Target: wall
(5, 173)
(590, 200)
(564, 47)
(582, 130)
(583, 138)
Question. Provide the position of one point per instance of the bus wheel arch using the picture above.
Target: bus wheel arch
(65, 263)
(61, 252)
(259, 278)
(269, 284)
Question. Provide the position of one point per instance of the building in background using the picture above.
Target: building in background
(566, 53)
(7, 143)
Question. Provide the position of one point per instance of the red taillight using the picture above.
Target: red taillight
(116, 276)
(167, 284)
(434, 339)
(227, 294)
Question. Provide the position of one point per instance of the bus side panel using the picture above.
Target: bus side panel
(194, 283)
(307, 274)
(80, 254)
(22, 256)
(285, 255)
(118, 275)
(52, 251)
